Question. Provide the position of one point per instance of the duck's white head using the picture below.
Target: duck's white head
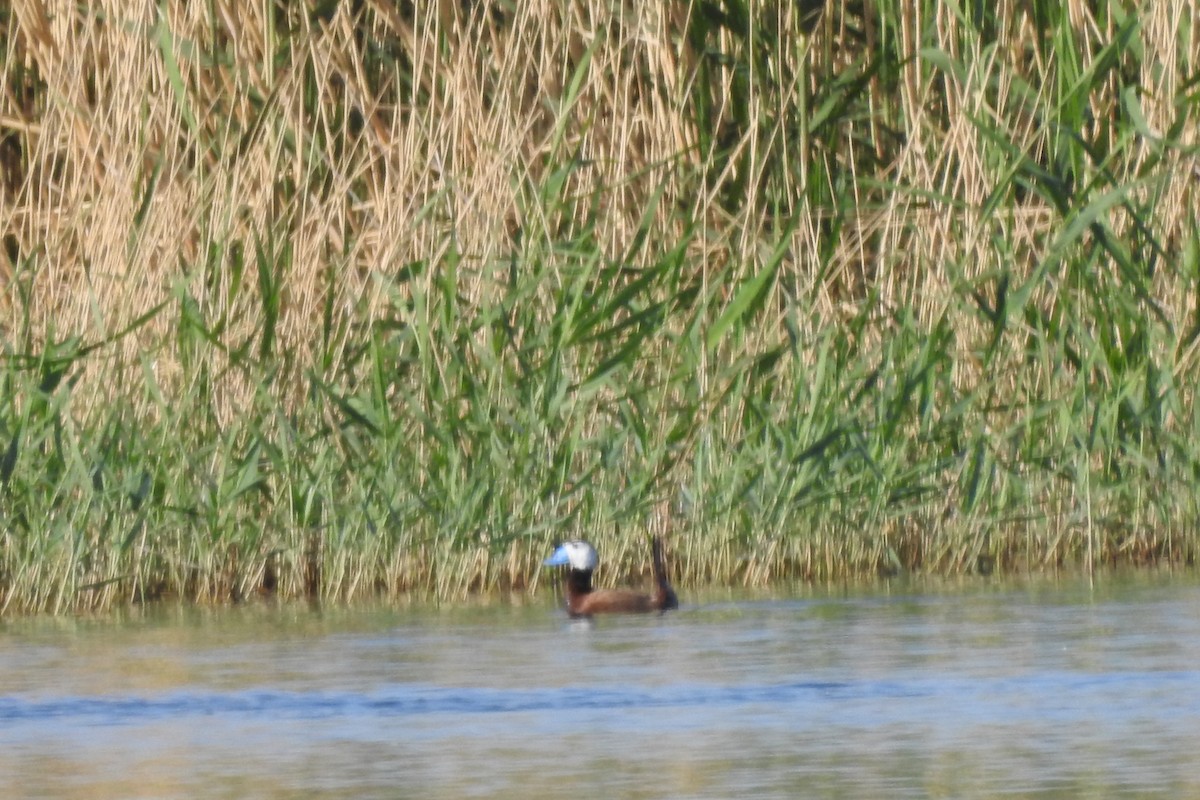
(578, 555)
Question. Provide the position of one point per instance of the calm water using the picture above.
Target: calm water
(1037, 689)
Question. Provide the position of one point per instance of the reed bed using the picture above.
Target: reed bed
(359, 299)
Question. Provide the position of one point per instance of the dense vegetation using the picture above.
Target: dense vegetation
(352, 298)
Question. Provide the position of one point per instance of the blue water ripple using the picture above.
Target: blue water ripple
(1065, 690)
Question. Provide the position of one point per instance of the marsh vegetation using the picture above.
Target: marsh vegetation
(347, 299)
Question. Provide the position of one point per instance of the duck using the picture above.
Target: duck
(583, 601)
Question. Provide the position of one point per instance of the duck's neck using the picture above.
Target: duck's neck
(579, 582)
(579, 586)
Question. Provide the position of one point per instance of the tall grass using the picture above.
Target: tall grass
(348, 299)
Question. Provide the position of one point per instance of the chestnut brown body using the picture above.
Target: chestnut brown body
(584, 601)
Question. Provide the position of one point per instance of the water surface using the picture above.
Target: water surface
(979, 689)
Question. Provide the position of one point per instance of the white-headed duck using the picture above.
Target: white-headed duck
(583, 601)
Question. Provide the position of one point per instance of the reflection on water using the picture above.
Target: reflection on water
(1032, 689)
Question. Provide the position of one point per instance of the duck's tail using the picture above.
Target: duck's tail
(664, 596)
